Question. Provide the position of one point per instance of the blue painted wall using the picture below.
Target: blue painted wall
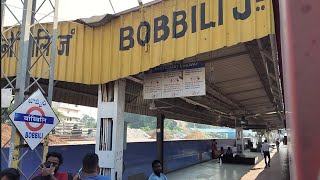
(137, 157)
(180, 154)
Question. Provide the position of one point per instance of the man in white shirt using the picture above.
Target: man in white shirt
(265, 150)
(157, 171)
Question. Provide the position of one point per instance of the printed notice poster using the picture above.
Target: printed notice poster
(175, 81)
(194, 83)
(172, 84)
(152, 87)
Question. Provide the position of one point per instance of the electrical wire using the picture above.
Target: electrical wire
(112, 6)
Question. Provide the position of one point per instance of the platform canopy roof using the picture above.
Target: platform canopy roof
(235, 39)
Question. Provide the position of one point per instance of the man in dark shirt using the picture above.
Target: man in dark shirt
(277, 144)
(229, 152)
(50, 169)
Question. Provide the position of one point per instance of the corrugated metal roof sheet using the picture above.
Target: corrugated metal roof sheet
(233, 68)
(95, 56)
(243, 87)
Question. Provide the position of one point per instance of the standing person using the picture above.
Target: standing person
(214, 149)
(157, 171)
(50, 169)
(10, 174)
(277, 144)
(265, 150)
(90, 169)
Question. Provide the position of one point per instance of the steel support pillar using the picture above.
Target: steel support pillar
(2, 13)
(160, 137)
(239, 140)
(110, 128)
(2, 18)
(51, 71)
(22, 76)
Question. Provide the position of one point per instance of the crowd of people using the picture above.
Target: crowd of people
(220, 153)
(90, 170)
(227, 154)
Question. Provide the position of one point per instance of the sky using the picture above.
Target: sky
(70, 9)
(93, 112)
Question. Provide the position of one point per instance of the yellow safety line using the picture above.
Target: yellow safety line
(256, 170)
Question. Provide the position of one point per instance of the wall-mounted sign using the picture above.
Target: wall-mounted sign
(175, 81)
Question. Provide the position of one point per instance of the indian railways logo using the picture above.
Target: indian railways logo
(28, 118)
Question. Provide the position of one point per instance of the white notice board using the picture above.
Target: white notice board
(175, 81)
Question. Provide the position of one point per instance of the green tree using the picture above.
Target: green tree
(89, 121)
(201, 126)
(214, 135)
(137, 121)
(148, 123)
(170, 124)
(171, 127)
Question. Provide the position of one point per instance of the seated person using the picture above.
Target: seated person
(49, 170)
(9, 174)
(229, 152)
(90, 169)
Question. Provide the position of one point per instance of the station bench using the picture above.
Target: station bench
(240, 159)
(255, 150)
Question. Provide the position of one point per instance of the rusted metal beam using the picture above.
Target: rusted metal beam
(258, 59)
(245, 91)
